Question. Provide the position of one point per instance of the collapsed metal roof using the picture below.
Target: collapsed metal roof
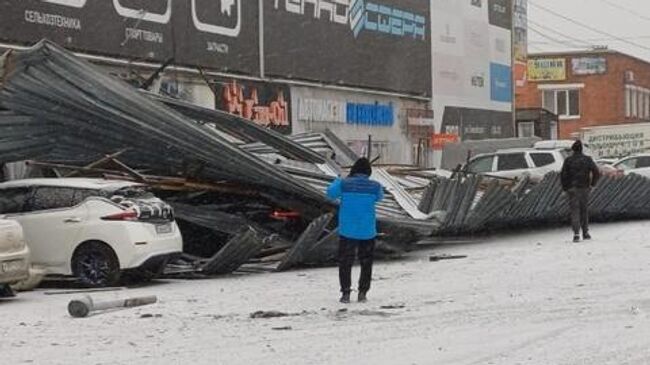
(66, 107)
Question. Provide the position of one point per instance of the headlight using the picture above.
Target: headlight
(12, 267)
(11, 236)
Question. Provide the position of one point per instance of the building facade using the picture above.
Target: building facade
(587, 89)
(355, 117)
(413, 74)
(472, 64)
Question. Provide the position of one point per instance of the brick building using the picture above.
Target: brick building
(587, 88)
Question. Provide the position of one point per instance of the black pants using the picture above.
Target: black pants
(579, 201)
(347, 248)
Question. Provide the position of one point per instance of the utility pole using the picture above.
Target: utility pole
(513, 64)
(261, 39)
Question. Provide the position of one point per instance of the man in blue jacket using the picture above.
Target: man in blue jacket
(357, 225)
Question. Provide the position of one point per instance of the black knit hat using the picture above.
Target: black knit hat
(577, 146)
(362, 166)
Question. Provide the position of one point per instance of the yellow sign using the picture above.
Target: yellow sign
(547, 69)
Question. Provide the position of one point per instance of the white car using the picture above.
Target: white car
(517, 163)
(563, 144)
(14, 254)
(637, 164)
(93, 229)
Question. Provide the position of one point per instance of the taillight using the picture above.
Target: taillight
(127, 215)
(285, 215)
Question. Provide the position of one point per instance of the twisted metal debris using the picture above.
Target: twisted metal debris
(474, 204)
(223, 174)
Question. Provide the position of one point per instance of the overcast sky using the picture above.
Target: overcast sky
(628, 20)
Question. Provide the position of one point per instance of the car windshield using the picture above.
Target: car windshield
(481, 165)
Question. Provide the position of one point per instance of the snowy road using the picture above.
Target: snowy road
(523, 299)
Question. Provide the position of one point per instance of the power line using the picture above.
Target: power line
(555, 40)
(548, 29)
(586, 26)
(535, 48)
(602, 39)
(625, 9)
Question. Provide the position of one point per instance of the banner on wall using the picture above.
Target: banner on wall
(382, 44)
(319, 106)
(439, 140)
(267, 104)
(589, 65)
(311, 109)
(500, 83)
(221, 35)
(472, 54)
(613, 142)
(547, 69)
(476, 124)
(500, 13)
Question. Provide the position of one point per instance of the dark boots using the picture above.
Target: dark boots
(585, 236)
(362, 297)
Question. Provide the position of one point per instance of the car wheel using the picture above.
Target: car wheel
(6, 291)
(96, 265)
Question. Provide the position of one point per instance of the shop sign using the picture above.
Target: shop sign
(547, 69)
(371, 114)
(439, 140)
(321, 110)
(589, 65)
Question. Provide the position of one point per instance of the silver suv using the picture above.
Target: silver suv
(517, 163)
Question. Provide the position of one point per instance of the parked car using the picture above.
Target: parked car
(606, 161)
(14, 255)
(637, 164)
(563, 144)
(93, 229)
(517, 163)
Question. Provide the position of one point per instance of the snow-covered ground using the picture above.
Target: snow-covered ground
(520, 299)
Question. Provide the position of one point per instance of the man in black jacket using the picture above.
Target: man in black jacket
(579, 174)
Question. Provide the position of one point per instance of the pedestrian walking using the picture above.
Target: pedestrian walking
(358, 195)
(579, 174)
